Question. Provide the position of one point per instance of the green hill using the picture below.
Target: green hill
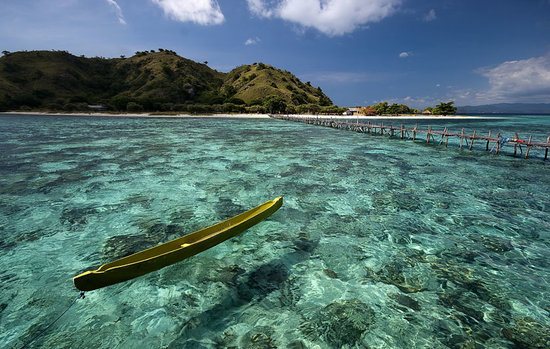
(251, 82)
(152, 81)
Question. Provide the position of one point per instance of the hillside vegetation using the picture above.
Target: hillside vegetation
(148, 81)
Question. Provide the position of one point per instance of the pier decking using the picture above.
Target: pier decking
(403, 132)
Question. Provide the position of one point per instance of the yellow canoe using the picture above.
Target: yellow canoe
(173, 251)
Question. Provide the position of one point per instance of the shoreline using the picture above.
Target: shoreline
(404, 116)
(144, 115)
(247, 116)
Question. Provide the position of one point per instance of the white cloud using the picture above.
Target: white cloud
(431, 16)
(204, 12)
(331, 17)
(404, 54)
(252, 41)
(526, 80)
(521, 81)
(259, 7)
(118, 11)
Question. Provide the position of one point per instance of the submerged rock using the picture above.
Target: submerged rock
(227, 208)
(392, 274)
(261, 341)
(258, 338)
(528, 333)
(6, 245)
(229, 274)
(462, 342)
(304, 243)
(160, 231)
(494, 243)
(77, 216)
(124, 245)
(405, 301)
(290, 292)
(465, 279)
(330, 273)
(31, 236)
(464, 303)
(340, 323)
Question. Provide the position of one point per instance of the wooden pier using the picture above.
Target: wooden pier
(403, 132)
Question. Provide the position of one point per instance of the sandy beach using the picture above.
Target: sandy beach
(248, 116)
(408, 116)
(148, 115)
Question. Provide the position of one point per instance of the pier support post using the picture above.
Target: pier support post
(461, 138)
(547, 144)
(402, 131)
(414, 132)
(488, 139)
(472, 140)
(528, 146)
(516, 137)
(429, 133)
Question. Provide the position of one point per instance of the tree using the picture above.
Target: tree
(393, 109)
(381, 108)
(134, 107)
(274, 104)
(308, 109)
(235, 100)
(255, 101)
(332, 110)
(228, 91)
(290, 109)
(324, 101)
(445, 108)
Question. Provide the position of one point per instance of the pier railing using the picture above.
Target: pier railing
(403, 132)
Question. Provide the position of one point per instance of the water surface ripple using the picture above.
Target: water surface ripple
(381, 243)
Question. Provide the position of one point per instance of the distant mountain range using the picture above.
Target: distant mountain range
(506, 108)
(149, 80)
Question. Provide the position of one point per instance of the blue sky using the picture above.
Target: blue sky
(359, 51)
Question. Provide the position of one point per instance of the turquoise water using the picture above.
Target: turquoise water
(380, 243)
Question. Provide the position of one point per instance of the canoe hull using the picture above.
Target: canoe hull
(173, 251)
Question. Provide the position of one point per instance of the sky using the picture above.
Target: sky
(360, 52)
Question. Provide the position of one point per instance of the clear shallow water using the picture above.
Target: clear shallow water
(380, 243)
